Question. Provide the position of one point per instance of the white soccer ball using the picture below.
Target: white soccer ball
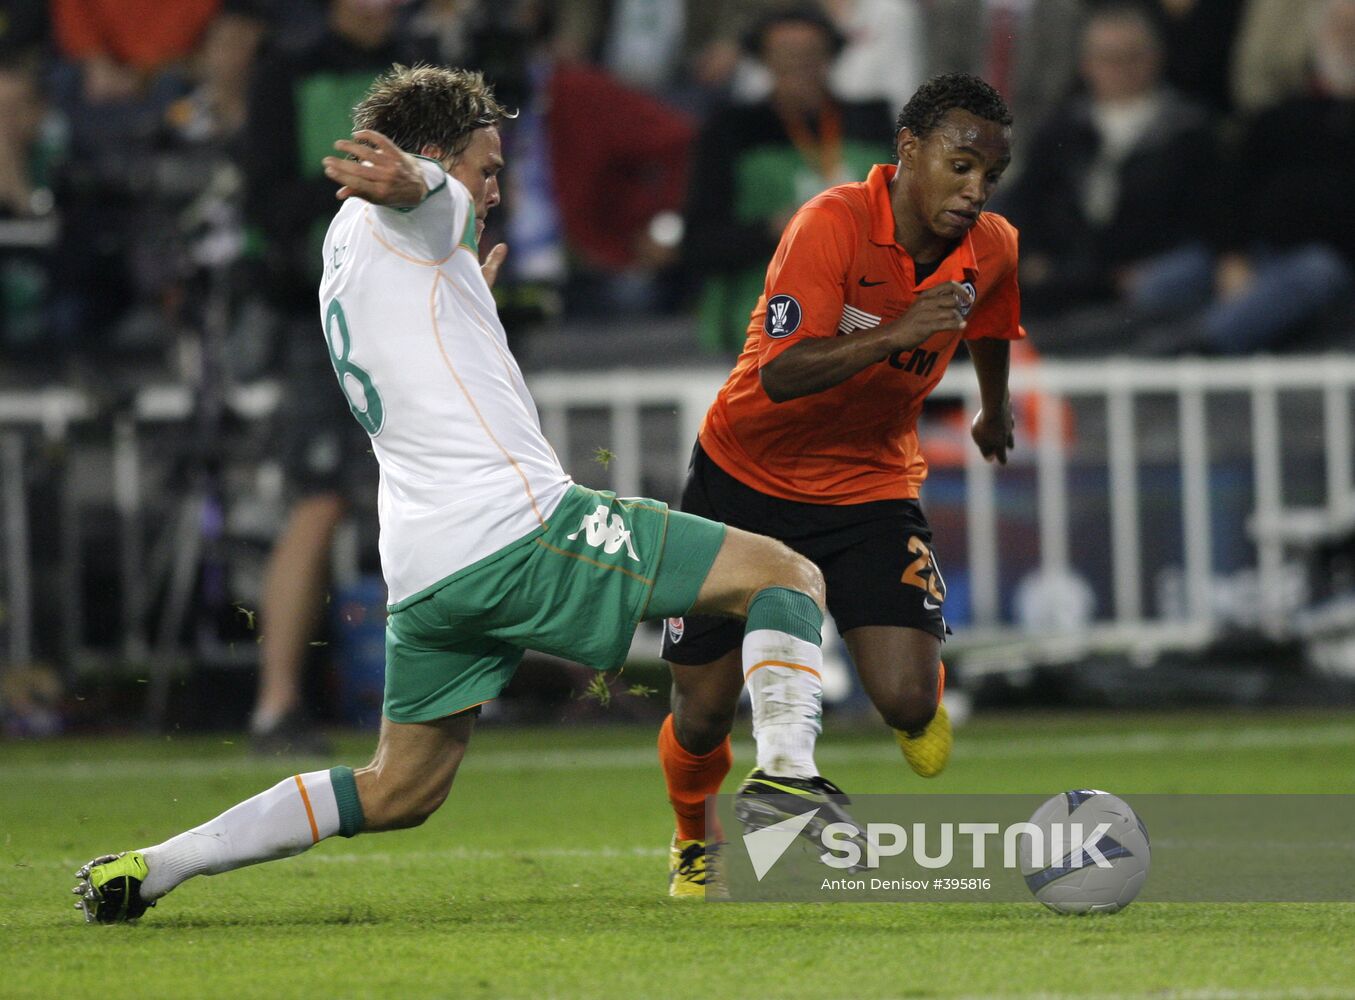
(1073, 868)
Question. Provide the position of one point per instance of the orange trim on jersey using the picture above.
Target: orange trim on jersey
(781, 663)
(468, 708)
(631, 505)
(310, 813)
(367, 218)
(488, 333)
(593, 562)
(437, 336)
(508, 365)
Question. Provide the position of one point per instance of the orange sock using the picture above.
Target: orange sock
(690, 779)
(941, 681)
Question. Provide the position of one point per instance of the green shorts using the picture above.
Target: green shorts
(576, 588)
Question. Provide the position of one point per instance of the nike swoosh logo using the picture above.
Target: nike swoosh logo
(929, 605)
(868, 284)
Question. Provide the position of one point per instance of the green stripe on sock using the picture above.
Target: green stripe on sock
(783, 610)
(351, 820)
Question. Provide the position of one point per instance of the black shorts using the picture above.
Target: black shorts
(876, 559)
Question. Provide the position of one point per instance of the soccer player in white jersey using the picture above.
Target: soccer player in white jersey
(488, 548)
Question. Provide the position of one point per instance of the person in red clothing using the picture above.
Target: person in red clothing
(813, 440)
(120, 43)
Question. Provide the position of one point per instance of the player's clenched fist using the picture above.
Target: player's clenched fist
(936, 309)
(379, 171)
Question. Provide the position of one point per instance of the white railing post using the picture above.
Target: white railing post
(1123, 483)
(1052, 484)
(1196, 519)
(1268, 474)
(1340, 483)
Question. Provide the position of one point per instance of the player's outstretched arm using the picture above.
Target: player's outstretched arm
(820, 363)
(992, 426)
(379, 171)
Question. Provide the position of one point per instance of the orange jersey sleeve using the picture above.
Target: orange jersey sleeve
(998, 313)
(803, 294)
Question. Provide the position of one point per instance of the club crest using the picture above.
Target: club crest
(968, 286)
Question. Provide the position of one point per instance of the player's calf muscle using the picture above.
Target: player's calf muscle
(398, 805)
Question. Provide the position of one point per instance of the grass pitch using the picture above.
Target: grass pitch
(544, 876)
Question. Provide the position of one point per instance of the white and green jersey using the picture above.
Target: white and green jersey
(422, 358)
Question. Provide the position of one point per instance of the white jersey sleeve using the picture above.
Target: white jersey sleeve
(432, 229)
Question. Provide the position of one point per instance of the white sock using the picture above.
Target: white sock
(782, 674)
(291, 817)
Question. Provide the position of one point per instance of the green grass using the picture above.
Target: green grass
(544, 876)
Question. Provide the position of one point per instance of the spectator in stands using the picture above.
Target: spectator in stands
(124, 69)
(885, 52)
(1026, 49)
(300, 101)
(684, 51)
(755, 164)
(1116, 183)
(1198, 39)
(27, 157)
(1272, 54)
(619, 163)
(120, 45)
(22, 34)
(1284, 273)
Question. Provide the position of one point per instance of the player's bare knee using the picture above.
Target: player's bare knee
(702, 730)
(909, 708)
(794, 572)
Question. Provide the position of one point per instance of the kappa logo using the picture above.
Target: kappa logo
(676, 627)
(783, 316)
(610, 535)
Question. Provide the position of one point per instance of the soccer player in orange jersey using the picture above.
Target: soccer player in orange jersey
(813, 440)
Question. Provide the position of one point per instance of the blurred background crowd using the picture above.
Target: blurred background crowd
(1180, 178)
(1181, 181)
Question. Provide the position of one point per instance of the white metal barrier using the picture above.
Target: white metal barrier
(1118, 386)
(51, 411)
(1277, 524)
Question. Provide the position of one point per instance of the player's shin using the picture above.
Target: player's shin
(690, 778)
(285, 820)
(781, 666)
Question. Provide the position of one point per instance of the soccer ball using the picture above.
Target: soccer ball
(1104, 877)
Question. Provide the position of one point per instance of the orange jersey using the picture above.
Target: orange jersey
(836, 272)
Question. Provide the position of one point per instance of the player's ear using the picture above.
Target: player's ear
(433, 151)
(905, 147)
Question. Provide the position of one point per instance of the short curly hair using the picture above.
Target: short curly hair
(418, 106)
(948, 92)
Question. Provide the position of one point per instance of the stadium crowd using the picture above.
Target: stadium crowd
(1178, 174)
